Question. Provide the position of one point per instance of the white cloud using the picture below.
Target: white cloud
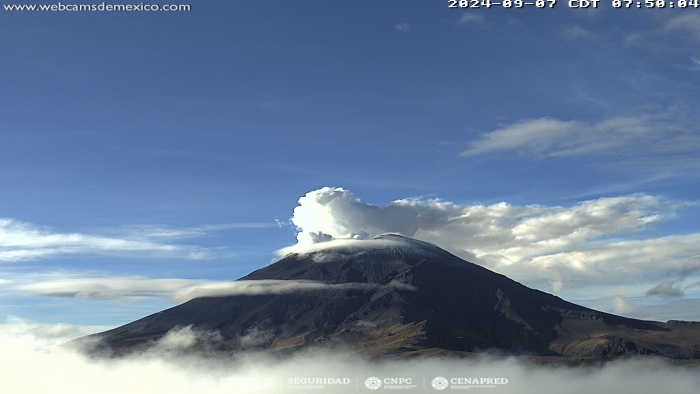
(29, 366)
(601, 241)
(576, 32)
(403, 27)
(623, 137)
(621, 261)
(471, 19)
(177, 290)
(21, 241)
(188, 338)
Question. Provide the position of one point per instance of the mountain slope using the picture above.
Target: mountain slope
(397, 295)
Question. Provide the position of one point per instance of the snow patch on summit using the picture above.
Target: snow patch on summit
(392, 243)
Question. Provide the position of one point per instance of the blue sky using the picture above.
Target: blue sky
(147, 146)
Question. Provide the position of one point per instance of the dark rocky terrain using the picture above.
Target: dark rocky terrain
(408, 298)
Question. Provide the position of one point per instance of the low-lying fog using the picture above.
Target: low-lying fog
(33, 362)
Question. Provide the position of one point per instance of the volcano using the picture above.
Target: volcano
(393, 295)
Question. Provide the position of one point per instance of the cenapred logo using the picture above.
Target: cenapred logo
(440, 383)
(373, 383)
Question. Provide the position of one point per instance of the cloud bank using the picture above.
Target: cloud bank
(32, 364)
(606, 241)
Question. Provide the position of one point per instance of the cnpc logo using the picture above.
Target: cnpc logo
(373, 383)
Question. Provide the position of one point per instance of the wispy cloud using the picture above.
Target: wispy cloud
(576, 32)
(178, 290)
(403, 27)
(471, 19)
(20, 241)
(168, 232)
(688, 23)
(693, 64)
(636, 136)
(670, 35)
